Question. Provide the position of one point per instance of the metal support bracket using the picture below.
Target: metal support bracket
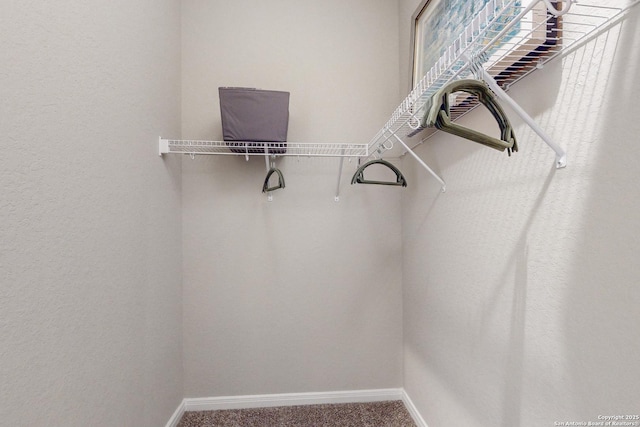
(561, 155)
(337, 198)
(415, 156)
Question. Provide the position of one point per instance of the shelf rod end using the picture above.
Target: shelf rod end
(163, 146)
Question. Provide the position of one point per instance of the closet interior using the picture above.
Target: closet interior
(504, 42)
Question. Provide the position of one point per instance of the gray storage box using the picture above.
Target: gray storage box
(254, 115)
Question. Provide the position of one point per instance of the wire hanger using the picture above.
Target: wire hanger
(358, 177)
(438, 114)
(265, 186)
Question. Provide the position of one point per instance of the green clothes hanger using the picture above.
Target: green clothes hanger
(265, 186)
(358, 177)
(438, 114)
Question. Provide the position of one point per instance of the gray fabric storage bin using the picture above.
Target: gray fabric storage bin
(254, 115)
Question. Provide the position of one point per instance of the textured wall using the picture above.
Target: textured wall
(521, 281)
(90, 264)
(301, 294)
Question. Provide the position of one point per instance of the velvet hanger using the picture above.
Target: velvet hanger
(358, 177)
(265, 186)
(438, 114)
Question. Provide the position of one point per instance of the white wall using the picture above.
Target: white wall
(90, 253)
(521, 281)
(301, 294)
(520, 296)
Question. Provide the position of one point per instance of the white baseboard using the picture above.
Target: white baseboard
(291, 399)
(294, 399)
(177, 415)
(413, 411)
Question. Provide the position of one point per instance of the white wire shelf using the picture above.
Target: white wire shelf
(508, 39)
(505, 41)
(235, 148)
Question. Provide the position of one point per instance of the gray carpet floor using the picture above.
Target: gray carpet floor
(374, 414)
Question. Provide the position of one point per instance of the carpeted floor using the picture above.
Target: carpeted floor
(374, 414)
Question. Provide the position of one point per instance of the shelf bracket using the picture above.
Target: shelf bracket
(415, 156)
(269, 165)
(561, 155)
(337, 198)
